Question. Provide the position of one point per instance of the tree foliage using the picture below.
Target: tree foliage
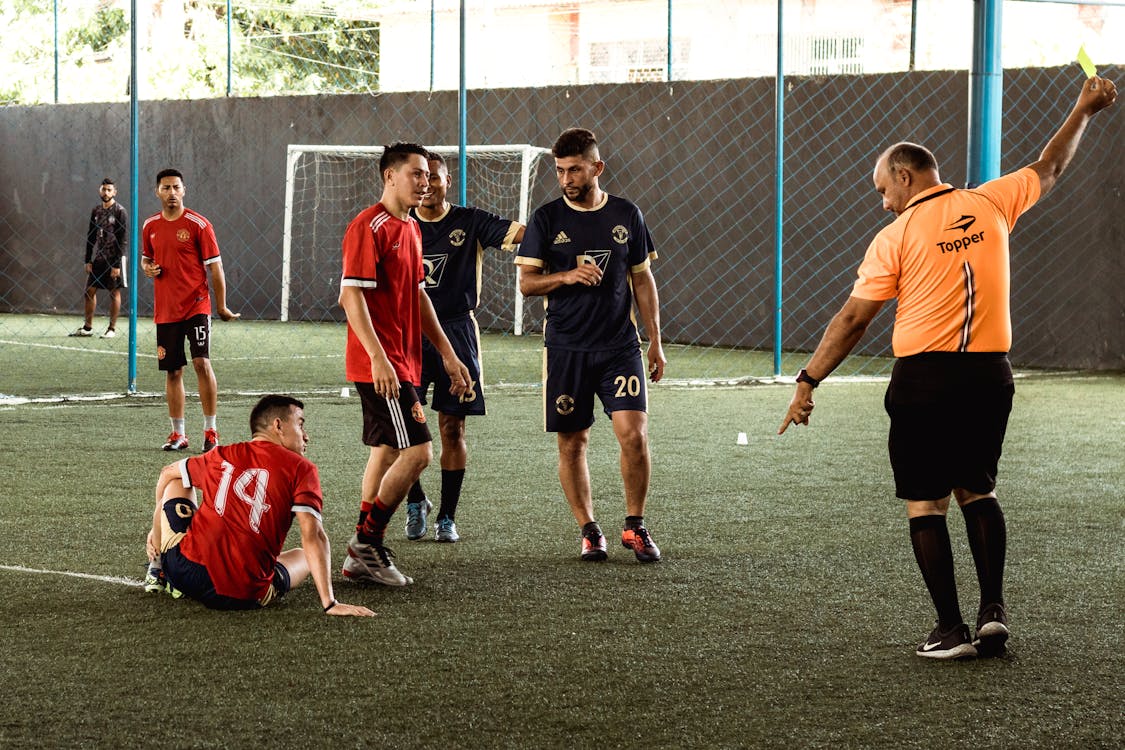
(283, 47)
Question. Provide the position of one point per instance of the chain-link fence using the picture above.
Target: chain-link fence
(683, 96)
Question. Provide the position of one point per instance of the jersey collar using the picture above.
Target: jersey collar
(601, 203)
(928, 193)
(448, 207)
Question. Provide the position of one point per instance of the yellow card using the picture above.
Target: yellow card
(1086, 63)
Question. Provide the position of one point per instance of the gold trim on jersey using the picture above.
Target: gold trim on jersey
(509, 241)
(576, 207)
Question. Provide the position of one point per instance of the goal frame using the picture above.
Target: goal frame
(294, 152)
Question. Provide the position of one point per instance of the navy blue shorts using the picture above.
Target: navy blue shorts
(464, 336)
(399, 424)
(949, 413)
(574, 378)
(170, 341)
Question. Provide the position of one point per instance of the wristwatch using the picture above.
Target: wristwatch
(804, 377)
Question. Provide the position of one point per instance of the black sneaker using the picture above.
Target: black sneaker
(951, 644)
(992, 630)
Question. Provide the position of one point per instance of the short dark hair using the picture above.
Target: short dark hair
(576, 142)
(108, 181)
(912, 156)
(435, 156)
(168, 173)
(269, 408)
(398, 153)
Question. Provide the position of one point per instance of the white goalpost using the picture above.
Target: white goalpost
(326, 186)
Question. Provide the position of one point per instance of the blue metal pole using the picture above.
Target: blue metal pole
(778, 184)
(462, 124)
(56, 51)
(986, 87)
(134, 197)
(230, 63)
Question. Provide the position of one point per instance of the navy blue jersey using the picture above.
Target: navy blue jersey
(452, 250)
(614, 236)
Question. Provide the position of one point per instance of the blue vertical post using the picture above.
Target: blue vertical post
(56, 51)
(778, 184)
(230, 63)
(669, 40)
(986, 87)
(134, 197)
(462, 124)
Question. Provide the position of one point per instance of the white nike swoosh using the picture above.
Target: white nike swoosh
(931, 646)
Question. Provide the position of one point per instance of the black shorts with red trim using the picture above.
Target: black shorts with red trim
(949, 414)
(170, 338)
(398, 423)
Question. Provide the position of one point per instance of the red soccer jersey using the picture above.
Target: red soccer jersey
(383, 257)
(250, 492)
(183, 249)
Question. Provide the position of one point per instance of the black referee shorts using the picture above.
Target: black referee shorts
(949, 413)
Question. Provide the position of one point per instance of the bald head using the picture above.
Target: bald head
(903, 171)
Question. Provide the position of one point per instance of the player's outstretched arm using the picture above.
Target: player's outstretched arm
(841, 336)
(316, 562)
(1097, 94)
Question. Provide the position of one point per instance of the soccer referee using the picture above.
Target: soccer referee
(946, 260)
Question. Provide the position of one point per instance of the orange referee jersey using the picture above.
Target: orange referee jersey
(946, 259)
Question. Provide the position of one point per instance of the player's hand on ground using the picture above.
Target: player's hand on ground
(226, 314)
(459, 380)
(349, 610)
(656, 362)
(1097, 94)
(799, 409)
(383, 376)
(585, 274)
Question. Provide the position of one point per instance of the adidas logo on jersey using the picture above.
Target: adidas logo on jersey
(561, 238)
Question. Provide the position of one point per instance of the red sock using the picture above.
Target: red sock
(374, 527)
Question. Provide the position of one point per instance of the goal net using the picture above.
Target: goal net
(326, 186)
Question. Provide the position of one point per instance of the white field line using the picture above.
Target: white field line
(90, 576)
(82, 349)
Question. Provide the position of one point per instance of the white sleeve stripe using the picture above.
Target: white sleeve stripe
(185, 480)
(362, 283)
(209, 261)
(308, 509)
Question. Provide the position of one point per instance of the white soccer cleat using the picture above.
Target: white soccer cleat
(372, 563)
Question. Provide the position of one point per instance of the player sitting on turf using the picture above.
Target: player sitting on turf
(226, 552)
